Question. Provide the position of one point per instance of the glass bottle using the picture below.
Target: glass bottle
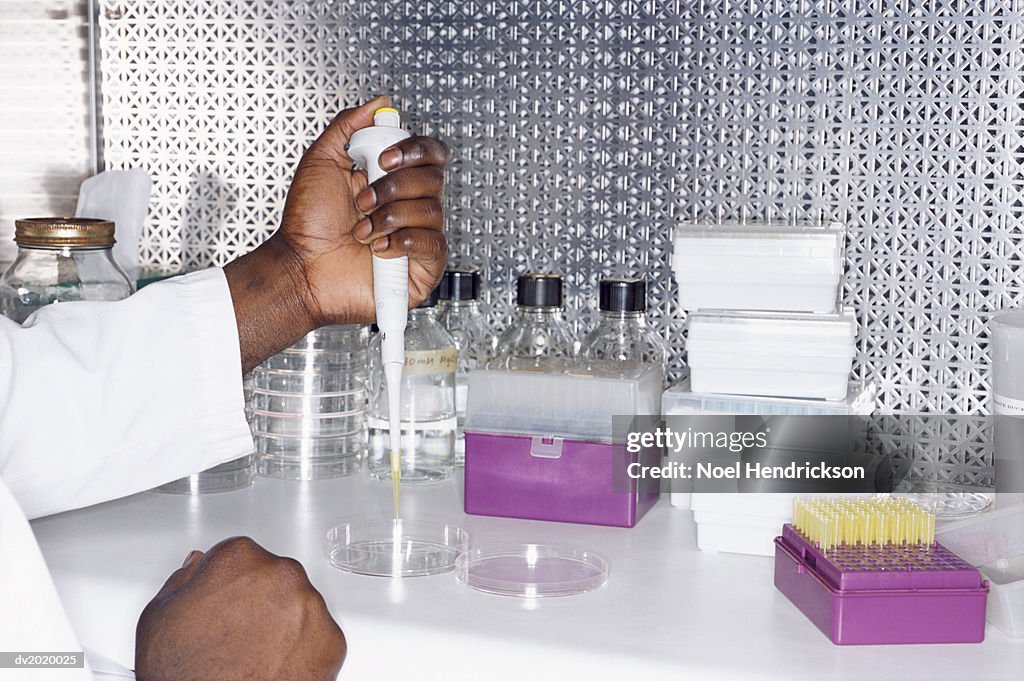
(61, 260)
(427, 401)
(622, 332)
(538, 338)
(461, 317)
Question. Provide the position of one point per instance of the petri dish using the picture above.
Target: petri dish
(302, 404)
(532, 570)
(951, 505)
(308, 426)
(395, 548)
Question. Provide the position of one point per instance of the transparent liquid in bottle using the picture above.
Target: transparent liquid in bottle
(428, 419)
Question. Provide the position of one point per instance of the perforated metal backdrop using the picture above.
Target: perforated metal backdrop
(583, 131)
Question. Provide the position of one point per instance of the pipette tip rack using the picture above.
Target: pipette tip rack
(882, 593)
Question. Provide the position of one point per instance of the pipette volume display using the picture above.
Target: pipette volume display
(390, 282)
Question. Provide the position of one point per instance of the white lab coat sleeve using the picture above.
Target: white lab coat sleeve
(99, 400)
(32, 619)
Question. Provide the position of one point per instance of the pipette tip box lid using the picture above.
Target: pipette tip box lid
(871, 595)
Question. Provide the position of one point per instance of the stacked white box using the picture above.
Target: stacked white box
(749, 522)
(758, 266)
(766, 337)
(800, 355)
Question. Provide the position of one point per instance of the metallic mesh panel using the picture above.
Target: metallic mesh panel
(583, 131)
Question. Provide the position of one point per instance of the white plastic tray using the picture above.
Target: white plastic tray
(781, 355)
(758, 266)
(679, 400)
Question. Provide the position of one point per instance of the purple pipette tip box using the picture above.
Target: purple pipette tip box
(870, 595)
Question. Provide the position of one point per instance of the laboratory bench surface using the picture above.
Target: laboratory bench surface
(667, 611)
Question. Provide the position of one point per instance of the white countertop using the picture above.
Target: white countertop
(667, 608)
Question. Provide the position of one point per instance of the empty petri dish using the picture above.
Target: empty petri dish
(309, 426)
(951, 505)
(532, 570)
(395, 548)
(300, 381)
(349, 402)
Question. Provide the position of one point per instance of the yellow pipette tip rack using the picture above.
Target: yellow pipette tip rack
(830, 522)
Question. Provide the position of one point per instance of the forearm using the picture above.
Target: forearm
(270, 297)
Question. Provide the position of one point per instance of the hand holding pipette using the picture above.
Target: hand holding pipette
(316, 269)
(367, 147)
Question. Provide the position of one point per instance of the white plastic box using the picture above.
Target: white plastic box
(740, 523)
(748, 523)
(758, 266)
(796, 355)
(994, 543)
(680, 400)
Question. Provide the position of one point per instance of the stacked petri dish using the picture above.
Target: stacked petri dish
(308, 406)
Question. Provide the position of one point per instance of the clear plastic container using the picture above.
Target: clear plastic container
(538, 333)
(778, 355)
(994, 543)
(758, 266)
(395, 548)
(61, 260)
(427, 401)
(532, 570)
(309, 406)
(622, 333)
(462, 318)
(575, 403)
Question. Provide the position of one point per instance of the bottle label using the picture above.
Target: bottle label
(1008, 406)
(429, 362)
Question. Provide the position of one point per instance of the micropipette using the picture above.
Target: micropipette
(390, 283)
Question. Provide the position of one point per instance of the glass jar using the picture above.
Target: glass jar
(461, 317)
(538, 338)
(622, 333)
(427, 401)
(61, 260)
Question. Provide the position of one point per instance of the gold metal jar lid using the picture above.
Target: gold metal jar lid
(64, 232)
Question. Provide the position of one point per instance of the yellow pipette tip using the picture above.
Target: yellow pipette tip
(396, 481)
(853, 521)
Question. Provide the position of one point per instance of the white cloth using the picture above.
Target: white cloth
(98, 401)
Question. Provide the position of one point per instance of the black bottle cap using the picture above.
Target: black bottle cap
(459, 284)
(623, 295)
(536, 289)
(431, 299)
